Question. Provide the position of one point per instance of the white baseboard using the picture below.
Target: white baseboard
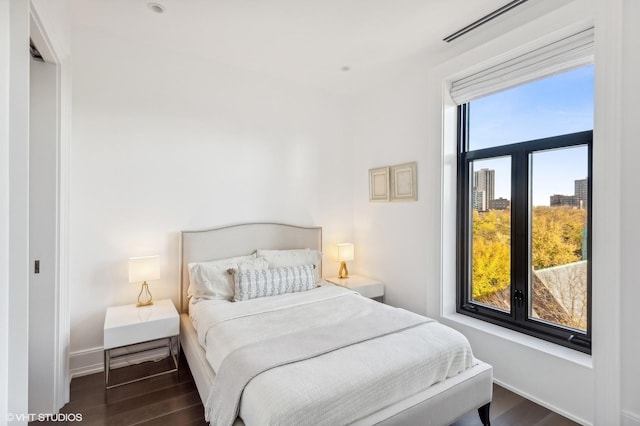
(544, 403)
(90, 361)
(87, 361)
(630, 419)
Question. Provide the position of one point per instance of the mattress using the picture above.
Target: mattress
(352, 384)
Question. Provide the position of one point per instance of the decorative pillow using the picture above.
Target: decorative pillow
(295, 257)
(253, 283)
(210, 280)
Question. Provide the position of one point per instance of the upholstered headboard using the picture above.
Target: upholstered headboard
(238, 240)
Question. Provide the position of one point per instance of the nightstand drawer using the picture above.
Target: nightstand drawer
(127, 325)
(370, 291)
(138, 333)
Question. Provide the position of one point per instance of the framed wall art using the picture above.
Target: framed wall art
(403, 182)
(379, 184)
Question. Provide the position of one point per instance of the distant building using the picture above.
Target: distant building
(564, 200)
(579, 199)
(484, 186)
(485, 180)
(581, 192)
(480, 201)
(499, 204)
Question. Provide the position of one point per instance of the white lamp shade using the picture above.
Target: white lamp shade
(144, 268)
(345, 252)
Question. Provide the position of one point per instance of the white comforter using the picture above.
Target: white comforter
(336, 388)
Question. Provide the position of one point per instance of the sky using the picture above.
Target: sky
(556, 105)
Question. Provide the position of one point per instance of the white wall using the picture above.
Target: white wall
(391, 126)
(412, 246)
(630, 207)
(164, 142)
(5, 247)
(14, 207)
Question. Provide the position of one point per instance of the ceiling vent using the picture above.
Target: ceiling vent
(483, 20)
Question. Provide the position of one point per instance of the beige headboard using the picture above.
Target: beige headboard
(238, 240)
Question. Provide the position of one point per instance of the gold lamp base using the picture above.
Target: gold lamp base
(343, 272)
(147, 294)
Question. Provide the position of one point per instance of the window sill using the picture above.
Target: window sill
(533, 343)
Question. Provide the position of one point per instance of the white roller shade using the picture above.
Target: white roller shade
(561, 55)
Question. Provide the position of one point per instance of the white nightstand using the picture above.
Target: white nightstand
(128, 325)
(367, 287)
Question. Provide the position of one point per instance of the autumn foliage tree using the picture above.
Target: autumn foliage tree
(491, 252)
(556, 240)
(557, 236)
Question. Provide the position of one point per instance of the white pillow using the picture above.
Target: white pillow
(211, 280)
(254, 283)
(295, 257)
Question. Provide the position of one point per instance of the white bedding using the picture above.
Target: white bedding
(341, 386)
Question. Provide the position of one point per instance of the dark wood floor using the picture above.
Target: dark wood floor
(169, 400)
(163, 400)
(510, 409)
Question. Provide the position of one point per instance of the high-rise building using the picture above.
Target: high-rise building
(480, 201)
(484, 182)
(581, 192)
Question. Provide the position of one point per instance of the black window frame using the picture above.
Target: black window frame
(518, 318)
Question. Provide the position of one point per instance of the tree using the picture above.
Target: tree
(557, 236)
(491, 253)
(556, 239)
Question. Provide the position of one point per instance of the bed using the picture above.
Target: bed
(439, 403)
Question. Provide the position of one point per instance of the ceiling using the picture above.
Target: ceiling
(310, 42)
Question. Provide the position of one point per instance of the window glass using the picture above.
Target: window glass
(556, 105)
(491, 232)
(558, 209)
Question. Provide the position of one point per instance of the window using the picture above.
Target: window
(524, 208)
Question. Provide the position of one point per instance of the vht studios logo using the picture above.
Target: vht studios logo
(43, 417)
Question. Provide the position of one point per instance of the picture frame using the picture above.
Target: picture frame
(379, 184)
(404, 182)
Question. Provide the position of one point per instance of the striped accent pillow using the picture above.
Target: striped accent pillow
(254, 283)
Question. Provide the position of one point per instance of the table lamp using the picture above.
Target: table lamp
(144, 269)
(345, 253)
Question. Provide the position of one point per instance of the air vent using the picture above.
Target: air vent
(483, 20)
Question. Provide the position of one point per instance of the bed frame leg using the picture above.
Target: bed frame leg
(483, 412)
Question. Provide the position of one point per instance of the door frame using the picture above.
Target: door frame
(56, 55)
